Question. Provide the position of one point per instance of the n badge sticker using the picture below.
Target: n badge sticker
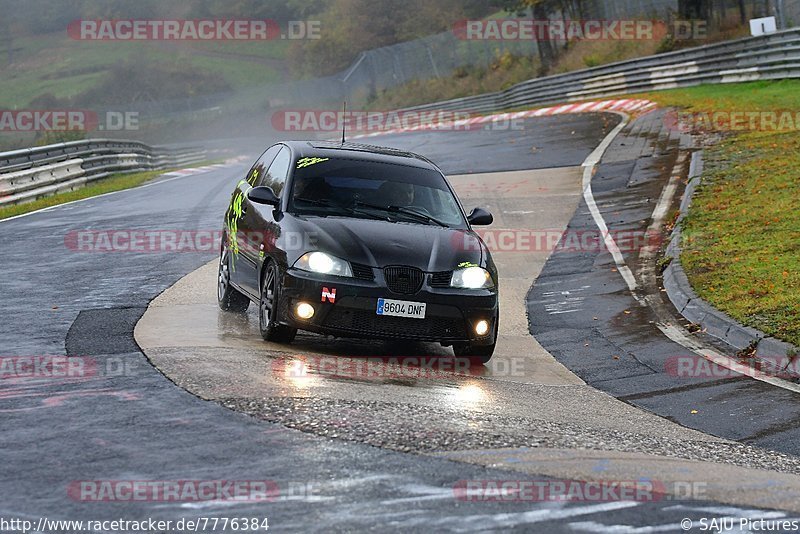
(329, 295)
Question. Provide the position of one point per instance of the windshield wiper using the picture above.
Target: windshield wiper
(405, 211)
(414, 213)
(350, 210)
(318, 202)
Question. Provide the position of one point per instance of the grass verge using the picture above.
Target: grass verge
(741, 239)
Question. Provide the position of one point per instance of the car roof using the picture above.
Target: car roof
(336, 149)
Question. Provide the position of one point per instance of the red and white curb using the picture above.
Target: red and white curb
(624, 105)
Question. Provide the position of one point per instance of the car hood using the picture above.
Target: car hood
(381, 243)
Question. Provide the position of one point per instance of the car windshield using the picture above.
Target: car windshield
(373, 190)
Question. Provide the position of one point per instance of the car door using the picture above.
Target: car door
(243, 267)
(259, 225)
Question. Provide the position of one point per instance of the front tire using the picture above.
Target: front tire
(478, 353)
(268, 316)
(229, 299)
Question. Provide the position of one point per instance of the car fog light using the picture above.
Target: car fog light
(482, 327)
(304, 310)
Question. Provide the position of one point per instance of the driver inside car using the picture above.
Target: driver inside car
(395, 194)
(313, 189)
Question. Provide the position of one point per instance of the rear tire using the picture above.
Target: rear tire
(229, 299)
(268, 317)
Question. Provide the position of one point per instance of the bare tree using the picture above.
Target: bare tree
(695, 9)
(541, 11)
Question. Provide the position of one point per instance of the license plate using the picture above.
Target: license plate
(401, 308)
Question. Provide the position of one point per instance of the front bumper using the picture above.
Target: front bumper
(450, 314)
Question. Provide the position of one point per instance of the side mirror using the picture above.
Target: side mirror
(480, 217)
(263, 195)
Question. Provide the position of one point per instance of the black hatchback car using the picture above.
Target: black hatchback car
(358, 241)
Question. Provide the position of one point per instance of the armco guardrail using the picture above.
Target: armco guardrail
(767, 57)
(33, 173)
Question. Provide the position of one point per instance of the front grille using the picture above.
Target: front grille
(441, 279)
(403, 280)
(362, 272)
(365, 322)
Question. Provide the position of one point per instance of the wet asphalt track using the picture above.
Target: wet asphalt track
(140, 426)
(578, 306)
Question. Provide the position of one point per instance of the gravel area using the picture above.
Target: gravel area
(421, 429)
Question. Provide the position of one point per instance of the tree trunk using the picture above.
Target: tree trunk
(547, 52)
(695, 9)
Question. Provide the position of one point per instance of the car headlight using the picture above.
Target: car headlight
(472, 278)
(319, 262)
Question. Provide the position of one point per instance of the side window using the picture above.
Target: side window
(260, 167)
(276, 175)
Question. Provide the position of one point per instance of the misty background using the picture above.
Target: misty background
(376, 54)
